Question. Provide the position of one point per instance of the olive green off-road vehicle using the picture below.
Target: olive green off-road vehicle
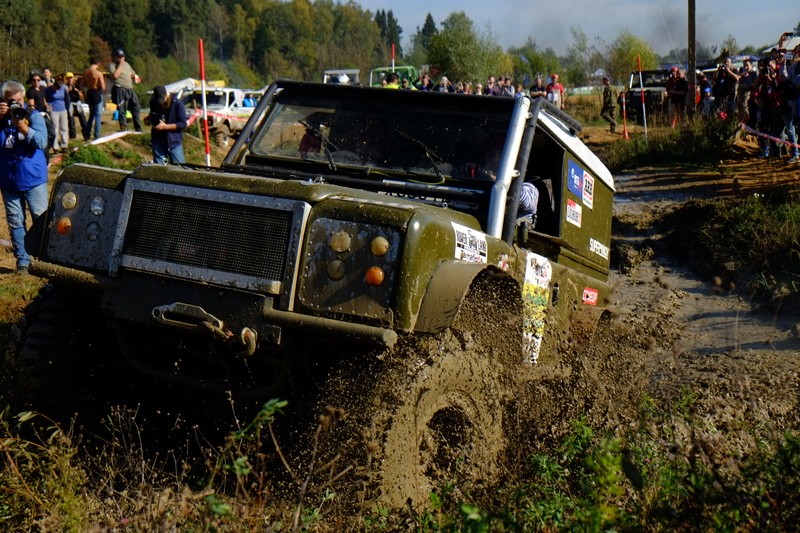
(370, 236)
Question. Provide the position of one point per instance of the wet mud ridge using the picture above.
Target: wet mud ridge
(740, 359)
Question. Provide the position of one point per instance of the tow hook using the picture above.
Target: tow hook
(189, 316)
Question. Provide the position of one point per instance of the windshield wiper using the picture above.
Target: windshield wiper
(430, 155)
(327, 146)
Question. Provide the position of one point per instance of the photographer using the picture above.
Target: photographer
(168, 119)
(23, 166)
(724, 87)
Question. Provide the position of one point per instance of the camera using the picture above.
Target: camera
(153, 118)
(17, 111)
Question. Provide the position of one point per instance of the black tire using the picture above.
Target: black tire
(436, 408)
(51, 366)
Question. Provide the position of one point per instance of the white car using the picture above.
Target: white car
(228, 109)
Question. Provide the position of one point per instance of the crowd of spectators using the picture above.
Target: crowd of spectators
(554, 91)
(763, 96)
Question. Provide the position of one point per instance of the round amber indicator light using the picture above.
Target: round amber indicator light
(379, 246)
(374, 276)
(64, 225)
(69, 200)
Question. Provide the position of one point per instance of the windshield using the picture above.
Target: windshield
(194, 100)
(428, 145)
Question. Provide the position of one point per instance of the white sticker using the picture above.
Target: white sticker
(535, 298)
(598, 248)
(588, 190)
(574, 212)
(470, 244)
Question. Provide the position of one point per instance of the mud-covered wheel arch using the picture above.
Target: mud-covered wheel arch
(434, 409)
(61, 334)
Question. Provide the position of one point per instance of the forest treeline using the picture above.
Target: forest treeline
(252, 42)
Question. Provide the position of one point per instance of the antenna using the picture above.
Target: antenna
(671, 42)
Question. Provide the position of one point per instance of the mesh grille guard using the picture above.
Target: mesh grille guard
(231, 239)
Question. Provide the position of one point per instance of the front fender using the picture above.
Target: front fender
(446, 291)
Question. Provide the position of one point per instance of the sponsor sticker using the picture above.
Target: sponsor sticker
(588, 190)
(574, 212)
(535, 296)
(470, 244)
(575, 178)
(598, 248)
(590, 296)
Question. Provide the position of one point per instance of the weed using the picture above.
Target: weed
(90, 155)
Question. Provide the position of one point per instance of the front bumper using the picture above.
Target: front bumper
(134, 296)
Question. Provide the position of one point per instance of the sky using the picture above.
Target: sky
(662, 24)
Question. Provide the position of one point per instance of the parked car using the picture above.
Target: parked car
(228, 108)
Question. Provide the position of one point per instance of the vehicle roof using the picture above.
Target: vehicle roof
(546, 119)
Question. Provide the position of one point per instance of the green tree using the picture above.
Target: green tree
(461, 53)
(421, 42)
(624, 52)
(530, 63)
(577, 61)
(390, 31)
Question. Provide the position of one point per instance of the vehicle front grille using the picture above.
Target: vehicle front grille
(203, 234)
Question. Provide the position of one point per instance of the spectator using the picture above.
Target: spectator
(47, 78)
(122, 93)
(556, 92)
(607, 111)
(445, 86)
(507, 88)
(706, 95)
(393, 81)
(76, 99)
(57, 97)
(23, 167)
(425, 83)
(538, 89)
(34, 96)
(168, 120)
(491, 88)
(478, 88)
(724, 87)
(677, 97)
(767, 100)
(519, 91)
(95, 85)
(747, 76)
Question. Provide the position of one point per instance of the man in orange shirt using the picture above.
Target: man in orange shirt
(95, 85)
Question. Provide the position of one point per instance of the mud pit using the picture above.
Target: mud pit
(672, 331)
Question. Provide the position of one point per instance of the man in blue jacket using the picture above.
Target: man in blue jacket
(23, 166)
(168, 120)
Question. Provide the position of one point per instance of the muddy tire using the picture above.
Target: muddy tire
(436, 409)
(61, 334)
(222, 135)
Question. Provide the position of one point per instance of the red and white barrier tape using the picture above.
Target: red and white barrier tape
(748, 129)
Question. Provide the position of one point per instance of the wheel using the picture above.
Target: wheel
(434, 410)
(222, 135)
(61, 336)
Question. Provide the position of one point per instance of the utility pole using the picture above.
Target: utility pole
(691, 73)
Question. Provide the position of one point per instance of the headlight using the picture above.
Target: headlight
(351, 268)
(97, 206)
(69, 200)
